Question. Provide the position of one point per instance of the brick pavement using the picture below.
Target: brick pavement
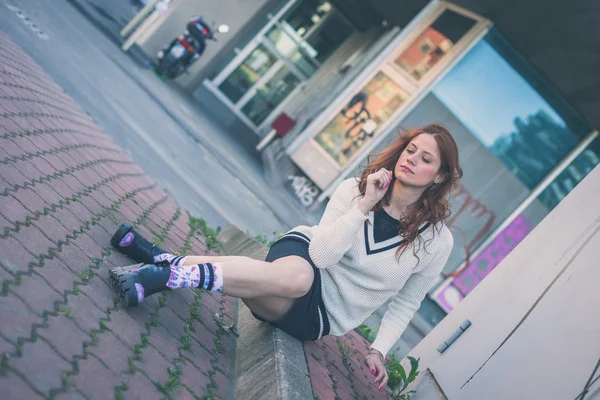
(64, 187)
(337, 369)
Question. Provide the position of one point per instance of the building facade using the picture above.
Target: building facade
(342, 77)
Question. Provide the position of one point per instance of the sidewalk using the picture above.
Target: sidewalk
(64, 187)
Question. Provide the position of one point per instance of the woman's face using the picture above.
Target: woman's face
(420, 162)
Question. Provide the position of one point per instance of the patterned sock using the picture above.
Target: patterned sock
(173, 260)
(217, 274)
(201, 276)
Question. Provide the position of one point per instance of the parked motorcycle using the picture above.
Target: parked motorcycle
(174, 60)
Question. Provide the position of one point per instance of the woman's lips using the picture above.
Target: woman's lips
(406, 169)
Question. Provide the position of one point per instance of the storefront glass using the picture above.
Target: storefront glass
(292, 48)
(248, 73)
(269, 95)
(433, 44)
(506, 114)
(355, 125)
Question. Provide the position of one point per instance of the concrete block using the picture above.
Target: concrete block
(269, 363)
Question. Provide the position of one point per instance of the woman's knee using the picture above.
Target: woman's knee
(300, 282)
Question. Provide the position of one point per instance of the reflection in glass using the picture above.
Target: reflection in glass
(434, 43)
(568, 179)
(288, 45)
(506, 114)
(307, 14)
(355, 125)
(247, 74)
(330, 35)
(269, 95)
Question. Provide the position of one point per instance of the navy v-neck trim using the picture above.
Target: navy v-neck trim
(372, 247)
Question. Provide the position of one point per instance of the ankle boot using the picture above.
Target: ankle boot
(136, 284)
(116, 272)
(135, 246)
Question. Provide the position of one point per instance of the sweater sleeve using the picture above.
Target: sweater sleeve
(337, 228)
(406, 302)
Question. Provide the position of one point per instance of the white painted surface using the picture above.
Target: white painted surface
(535, 330)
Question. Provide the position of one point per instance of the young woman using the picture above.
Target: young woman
(380, 238)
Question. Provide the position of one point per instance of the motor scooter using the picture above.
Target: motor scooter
(175, 60)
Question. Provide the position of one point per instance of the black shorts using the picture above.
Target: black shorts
(307, 319)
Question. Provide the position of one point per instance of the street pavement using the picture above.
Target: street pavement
(65, 185)
(204, 167)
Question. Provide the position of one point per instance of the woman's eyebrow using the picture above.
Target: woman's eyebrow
(424, 151)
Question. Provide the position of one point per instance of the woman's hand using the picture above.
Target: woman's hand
(377, 186)
(374, 360)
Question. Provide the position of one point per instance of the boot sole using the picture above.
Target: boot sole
(126, 286)
(116, 273)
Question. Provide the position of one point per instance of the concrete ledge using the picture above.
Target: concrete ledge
(269, 364)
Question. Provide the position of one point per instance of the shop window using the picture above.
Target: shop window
(308, 14)
(431, 46)
(248, 73)
(506, 113)
(269, 95)
(356, 123)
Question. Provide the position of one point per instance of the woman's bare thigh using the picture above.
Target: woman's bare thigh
(273, 308)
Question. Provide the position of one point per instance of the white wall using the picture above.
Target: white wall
(535, 330)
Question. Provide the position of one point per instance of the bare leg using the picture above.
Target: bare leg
(192, 260)
(268, 289)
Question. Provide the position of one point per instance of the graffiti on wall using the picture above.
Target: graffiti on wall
(452, 292)
(303, 188)
(462, 202)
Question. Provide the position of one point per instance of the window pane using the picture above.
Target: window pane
(434, 43)
(247, 74)
(568, 179)
(355, 125)
(307, 14)
(506, 114)
(287, 43)
(270, 95)
(330, 35)
(246, 34)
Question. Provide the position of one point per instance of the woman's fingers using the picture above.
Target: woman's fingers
(381, 373)
(370, 365)
(384, 382)
(386, 177)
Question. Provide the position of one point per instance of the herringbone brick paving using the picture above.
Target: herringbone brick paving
(64, 188)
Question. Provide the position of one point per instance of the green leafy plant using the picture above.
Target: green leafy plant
(367, 332)
(398, 376)
(265, 240)
(198, 224)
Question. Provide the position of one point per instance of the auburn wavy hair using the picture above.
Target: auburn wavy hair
(433, 205)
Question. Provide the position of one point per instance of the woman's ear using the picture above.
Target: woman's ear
(439, 178)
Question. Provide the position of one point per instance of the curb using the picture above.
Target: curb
(264, 352)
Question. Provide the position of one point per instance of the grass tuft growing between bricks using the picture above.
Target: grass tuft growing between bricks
(200, 225)
(86, 274)
(66, 311)
(4, 364)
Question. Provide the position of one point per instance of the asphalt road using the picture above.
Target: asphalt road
(175, 142)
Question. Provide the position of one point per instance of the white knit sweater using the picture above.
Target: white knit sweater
(356, 283)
